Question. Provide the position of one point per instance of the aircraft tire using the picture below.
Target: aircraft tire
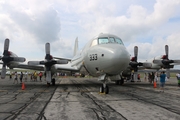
(53, 81)
(106, 90)
(121, 82)
(101, 90)
(117, 82)
(48, 84)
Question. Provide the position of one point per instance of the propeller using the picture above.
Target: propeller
(48, 62)
(134, 64)
(7, 58)
(165, 62)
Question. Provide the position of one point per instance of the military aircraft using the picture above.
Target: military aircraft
(104, 56)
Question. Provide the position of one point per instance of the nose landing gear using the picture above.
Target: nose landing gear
(104, 88)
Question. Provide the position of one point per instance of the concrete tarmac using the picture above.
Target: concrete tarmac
(79, 99)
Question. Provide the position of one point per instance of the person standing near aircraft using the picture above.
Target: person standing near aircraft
(21, 77)
(10, 76)
(139, 78)
(40, 76)
(162, 80)
(152, 77)
(15, 78)
(145, 77)
(35, 76)
(156, 77)
(178, 78)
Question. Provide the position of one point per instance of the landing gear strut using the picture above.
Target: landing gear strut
(104, 88)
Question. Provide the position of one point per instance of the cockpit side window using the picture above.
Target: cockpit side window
(103, 40)
(94, 42)
(119, 41)
(112, 40)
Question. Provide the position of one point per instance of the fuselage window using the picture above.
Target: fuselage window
(103, 40)
(111, 40)
(94, 42)
(119, 41)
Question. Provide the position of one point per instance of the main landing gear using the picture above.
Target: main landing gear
(53, 81)
(120, 82)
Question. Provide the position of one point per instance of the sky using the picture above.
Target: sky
(148, 24)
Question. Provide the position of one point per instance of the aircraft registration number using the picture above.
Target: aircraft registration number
(93, 57)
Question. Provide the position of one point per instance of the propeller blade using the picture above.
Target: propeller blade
(62, 61)
(6, 44)
(168, 73)
(6, 47)
(47, 48)
(3, 72)
(136, 52)
(48, 76)
(19, 59)
(34, 63)
(167, 50)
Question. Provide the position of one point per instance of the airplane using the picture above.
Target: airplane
(104, 56)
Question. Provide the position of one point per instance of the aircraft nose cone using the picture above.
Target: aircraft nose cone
(115, 58)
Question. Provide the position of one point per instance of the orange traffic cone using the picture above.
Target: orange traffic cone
(23, 86)
(155, 86)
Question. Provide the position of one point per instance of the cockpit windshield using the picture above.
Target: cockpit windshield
(103, 40)
(119, 41)
(111, 39)
(106, 40)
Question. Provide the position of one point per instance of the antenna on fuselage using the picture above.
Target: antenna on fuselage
(76, 47)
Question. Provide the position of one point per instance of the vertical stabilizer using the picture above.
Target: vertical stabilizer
(76, 46)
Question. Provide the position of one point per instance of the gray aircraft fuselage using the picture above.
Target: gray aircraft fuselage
(104, 54)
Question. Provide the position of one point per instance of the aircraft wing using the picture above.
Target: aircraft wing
(66, 67)
(68, 59)
(32, 67)
(160, 70)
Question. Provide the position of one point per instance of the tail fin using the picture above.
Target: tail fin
(76, 46)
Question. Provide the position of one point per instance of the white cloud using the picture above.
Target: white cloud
(30, 24)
